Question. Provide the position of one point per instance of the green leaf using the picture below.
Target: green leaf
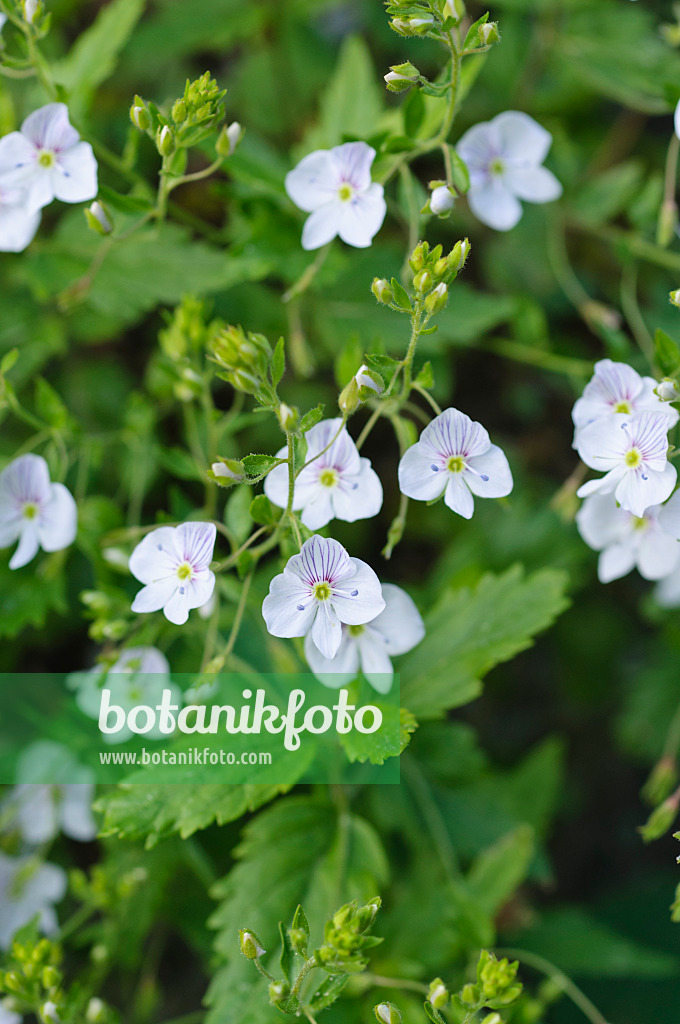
(27, 597)
(385, 365)
(300, 921)
(287, 961)
(263, 512)
(470, 631)
(94, 55)
(237, 513)
(414, 113)
(49, 405)
(499, 869)
(666, 352)
(425, 377)
(8, 360)
(297, 851)
(255, 465)
(278, 364)
(352, 103)
(327, 992)
(471, 37)
(400, 294)
(178, 462)
(606, 196)
(461, 176)
(311, 418)
(377, 747)
(124, 203)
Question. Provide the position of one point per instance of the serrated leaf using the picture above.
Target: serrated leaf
(278, 363)
(389, 741)
(400, 294)
(385, 365)
(666, 352)
(255, 465)
(471, 630)
(311, 418)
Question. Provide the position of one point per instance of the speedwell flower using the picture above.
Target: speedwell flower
(41, 810)
(18, 224)
(650, 543)
(504, 158)
(34, 511)
(174, 564)
(28, 888)
(370, 647)
(335, 187)
(618, 388)
(318, 590)
(454, 457)
(632, 452)
(337, 484)
(48, 159)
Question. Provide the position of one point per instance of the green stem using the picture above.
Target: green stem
(672, 744)
(238, 618)
(307, 276)
(291, 473)
(571, 990)
(307, 966)
(382, 982)
(580, 368)
(428, 397)
(631, 309)
(329, 445)
(669, 209)
(195, 175)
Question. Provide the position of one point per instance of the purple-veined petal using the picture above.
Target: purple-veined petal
(288, 609)
(454, 433)
(419, 476)
(196, 541)
(314, 182)
(26, 479)
(362, 216)
(494, 204)
(57, 523)
(321, 226)
(155, 596)
(603, 444)
(320, 559)
(358, 598)
(532, 184)
(354, 161)
(341, 455)
(614, 562)
(495, 467)
(523, 141)
(400, 622)
(359, 497)
(639, 489)
(338, 671)
(326, 630)
(458, 496)
(75, 174)
(28, 546)
(157, 556)
(606, 484)
(49, 128)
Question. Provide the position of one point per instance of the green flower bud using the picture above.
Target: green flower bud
(438, 995)
(366, 915)
(279, 991)
(96, 1011)
(227, 472)
(419, 257)
(493, 1018)
(454, 9)
(369, 381)
(441, 202)
(98, 219)
(288, 418)
(387, 1013)
(437, 298)
(349, 400)
(140, 116)
(422, 282)
(667, 390)
(179, 111)
(469, 994)
(165, 140)
(48, 1013)
(412, 26)
(12, 981)
(31, 10)
(661, 819)
(675, 297)
(298, 939)
(51, 977)
(251, 947)
(382, 290)
(489, 34)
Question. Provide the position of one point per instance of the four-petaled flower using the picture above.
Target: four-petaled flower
(632, 452)
(34, 511)
(174, 563)
(454, 457)
(649, 542)
(337, 484)
(48, 159)
(617, 388)
(504, 158)
(370, 647)
(335, 187)
(28, 888)
(320, 589)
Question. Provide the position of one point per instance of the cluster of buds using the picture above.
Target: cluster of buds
(243, 358)
(33, 981)
(346, 938)
(401, 77)
(365, 384)
(410, 25)
(496, 984)
(187, 334)
(434, 272)
(193, 116)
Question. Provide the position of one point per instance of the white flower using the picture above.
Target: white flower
(318, 590)
(648, 542)
(139, 676)
(334, 186)
(18, 224)
(9, 1016)
(631, 451)
(504, 158)
(34, 511)
(174, 563)
(617, 388)
(28, 888)
(676, 120)
(48, 159)
(369, 647)
(337, 485)
(42, 810)
(441, 200)
(454, 457)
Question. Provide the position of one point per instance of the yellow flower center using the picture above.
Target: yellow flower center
(456, 464)
(30, 510)
(46, 159)
(623, 407)
(345, 192)
(328, 477)
(355, 630)
(639, 523)
(633, 458)
(322, 591)
(497, 166)
(184, 571)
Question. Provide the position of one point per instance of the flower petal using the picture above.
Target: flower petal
(354, 161)
(361, 217)
(155, 596)
(321, 226)
(157, 555)
(375, 661)
(177, 609)
(601, 522)
(658, 554)
(358, 598)
(57, 523)
(49, 128)
(27, 548)
(419, 476)
(400, 622)
(477, 148)
(276, 483)
(315, 180)
(319, 510)
(614, 562)
(17, 227)
(523, 141)
(200, 589)
(77, 821)
(326, 631)
(320, 558)
(667, 592)
(494, 204)
(17, 159)
(75, 177)
(533, 184)
(26, 479)
(495, 467)
(288, 609)
(458, 496)
(638, 490)
(358, 497)
(196, 541)
(669, 516)
(338, 671)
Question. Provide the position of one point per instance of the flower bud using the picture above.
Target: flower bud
(165, 141)
(372, 381)
(469, 994)
(675, 297)
(489, 34)
(228, 139)
(437, 298)
(140, 116)
(349, 400)
(227, 472)
(50, 977)
(96, 1011)
(454, 9)
(31, 10)
(48, 1013)
(442, 200)
(98, 219)
(251, 946)
(438, 995)
(412, 26)
(366, 915)
(278, 992)
(179, 111)
(493, 1018)
(298, 940)
(396, 82)
(422, 282)
(661, 819)
(382, 290)
(661, 782)
(288, 418)
(667, 390)
(387, 1013)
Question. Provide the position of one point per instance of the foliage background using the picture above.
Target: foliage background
(566, 732)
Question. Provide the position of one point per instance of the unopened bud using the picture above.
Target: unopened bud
(493, 1018)
(382, 290)
(675, 297)
(298, 939)
(459, 255)
(140, 116)
(278, 992)
(437, 298)
(31, 10)
(96, 1011)
(48, 1013)
(251, 946)
(387, 1013)
(179, 111)
(422, 282)
(165, 141)
(288, 418)
(228, 139)
(442, 200)
(667, 390)
(366, 915)
(488, 33)
(469, 994)
(366, 378)
(98, 219)
(227, 472)
(454, 9)
(661, 819)
(50, 977)
(396, 82)
(348, 400)
(412, 26)
(438, 995)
